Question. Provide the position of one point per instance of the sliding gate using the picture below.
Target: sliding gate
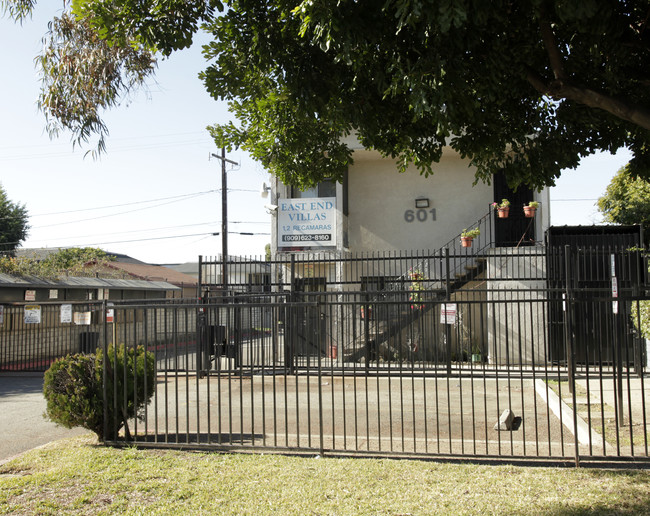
(473, 377)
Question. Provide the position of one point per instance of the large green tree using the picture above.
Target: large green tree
(627, 201)
(524, 86)
(14, 225)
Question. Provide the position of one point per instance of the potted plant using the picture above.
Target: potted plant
(468, 235)
(503, 208)
(529, 211)
(417, 287)
(477, 356)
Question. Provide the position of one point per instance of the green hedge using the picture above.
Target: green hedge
(73, 389)
(641, 317)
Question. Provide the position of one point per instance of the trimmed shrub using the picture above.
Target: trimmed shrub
(73, 393)
(126, 399)
(73, 389)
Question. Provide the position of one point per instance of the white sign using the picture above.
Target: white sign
(615, 294)
(32, 314)
(82, 318)
(448, 313)
(66, 314)
(2, 315)
(307, 222)
(612, 265)
(54, 294)
(30, 295)
(110, 315)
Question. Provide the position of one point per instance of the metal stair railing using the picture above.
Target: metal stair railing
(433, 283)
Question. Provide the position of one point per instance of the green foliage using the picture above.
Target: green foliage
(126, 401)
(73, 393)
(73, 257)
(83, 74)
(641, 317)
(416, 288)
(411, 77)
(505, 203)
(17, 9)
(73, 389)
(13, 223)
(527, 87)
(470, 233)
(72, 261)
(627, 200)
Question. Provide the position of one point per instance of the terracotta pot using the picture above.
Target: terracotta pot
(503, 212)
(529, 211)
(466, 241)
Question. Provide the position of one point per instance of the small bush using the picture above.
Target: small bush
(73, 389)
(641, 317)
(73, 394)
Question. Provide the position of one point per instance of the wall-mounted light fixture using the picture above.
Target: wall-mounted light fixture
(421, 202)
(266, 189)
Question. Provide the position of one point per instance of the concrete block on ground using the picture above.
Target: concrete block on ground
(505, 421)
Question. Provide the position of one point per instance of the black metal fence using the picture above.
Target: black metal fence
(534, 355)
(33, 335)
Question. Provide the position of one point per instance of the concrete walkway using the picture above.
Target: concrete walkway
(22, 425)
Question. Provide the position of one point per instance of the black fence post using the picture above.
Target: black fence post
(570, 348)
(448, 299)
(568, 328)
(104, 376)
(366, 331)
(290, 328)
(320, 379)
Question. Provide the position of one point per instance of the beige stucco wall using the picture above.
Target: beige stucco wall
(517, 307)
(379, 196)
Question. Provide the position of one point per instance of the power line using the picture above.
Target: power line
(147, 230)
(114, 149)
(115, 214)
(194, 194)
(172, 237)
(129, 139)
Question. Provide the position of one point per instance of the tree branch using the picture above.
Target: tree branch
(552, 48)
(564, 89)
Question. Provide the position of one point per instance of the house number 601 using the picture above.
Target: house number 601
(420, 215)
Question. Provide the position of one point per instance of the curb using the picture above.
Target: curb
(585, 434)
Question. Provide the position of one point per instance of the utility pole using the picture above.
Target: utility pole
(224, 217)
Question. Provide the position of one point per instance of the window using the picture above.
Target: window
(325, 188)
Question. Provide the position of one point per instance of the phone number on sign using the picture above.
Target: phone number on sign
(306, 238)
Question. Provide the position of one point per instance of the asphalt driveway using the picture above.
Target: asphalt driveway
(22, 425)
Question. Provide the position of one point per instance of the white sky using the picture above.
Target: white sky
(157, 167)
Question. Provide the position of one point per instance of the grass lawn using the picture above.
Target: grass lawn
(76, 476)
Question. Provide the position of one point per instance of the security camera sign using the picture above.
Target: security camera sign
(307, 222)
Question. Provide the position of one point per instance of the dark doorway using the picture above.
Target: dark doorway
(516, 230)
(311, 323)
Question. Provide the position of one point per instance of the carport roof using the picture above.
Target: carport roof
(7, 280)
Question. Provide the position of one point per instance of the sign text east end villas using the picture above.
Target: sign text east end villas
(307, 222)
(305, 211)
